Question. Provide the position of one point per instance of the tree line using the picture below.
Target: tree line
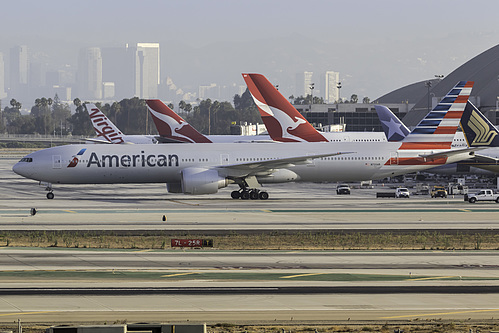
(51, 116)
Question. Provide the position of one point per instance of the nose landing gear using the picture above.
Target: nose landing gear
(48, 187)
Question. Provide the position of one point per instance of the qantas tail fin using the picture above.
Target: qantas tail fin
(171, 126)
(284, 123)
(105, 129)
(394, 129)
(478, 130)
(437, 129)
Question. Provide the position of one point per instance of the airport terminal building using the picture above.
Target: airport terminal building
(412, 102)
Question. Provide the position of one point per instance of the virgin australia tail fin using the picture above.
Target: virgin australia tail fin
(171, 126)
(284, 123)
(105, 129)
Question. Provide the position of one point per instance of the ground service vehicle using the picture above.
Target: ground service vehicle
(402, 192)
(483, 195)
(438, 191)
(343, 189)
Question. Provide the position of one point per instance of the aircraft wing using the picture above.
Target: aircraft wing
(164, 139)
(485, 159)
(452, 152)
(253, 167)
(98, 140)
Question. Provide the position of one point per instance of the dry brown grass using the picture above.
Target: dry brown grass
(273, 241)
(431, 327)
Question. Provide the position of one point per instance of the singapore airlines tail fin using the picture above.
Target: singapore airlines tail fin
(284, 123)
(437, 129)
(107, 132)
(478, 130)
(394, 129)
(171, 126)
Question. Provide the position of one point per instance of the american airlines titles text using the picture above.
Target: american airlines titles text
(132, 161)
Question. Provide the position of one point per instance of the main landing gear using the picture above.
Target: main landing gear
(246, 193)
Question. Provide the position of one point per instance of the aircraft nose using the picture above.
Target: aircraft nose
(18, 168)
(22, 169)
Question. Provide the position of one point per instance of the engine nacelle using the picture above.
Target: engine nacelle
(201, 181)
(278, 176)
(174, 187)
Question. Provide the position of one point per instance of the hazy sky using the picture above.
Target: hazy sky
(376, 45)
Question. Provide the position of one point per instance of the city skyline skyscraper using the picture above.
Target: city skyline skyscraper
(147, 70)
(3, 94)
(90, 73)
(19, 69)
(331, 91)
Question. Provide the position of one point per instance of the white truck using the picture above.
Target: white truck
(483, 195)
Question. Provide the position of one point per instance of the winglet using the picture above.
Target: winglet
(478, 130)
(171, 126)
(284, 123)
(103, 126)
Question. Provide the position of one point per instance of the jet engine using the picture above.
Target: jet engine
(174, 187)
(201, 181)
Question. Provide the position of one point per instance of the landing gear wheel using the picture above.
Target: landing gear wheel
(50, 195)
(245, 195)
(263, 195)
(235, 195)
(254, 195)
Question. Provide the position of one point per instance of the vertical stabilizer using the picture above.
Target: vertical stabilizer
(284, 123)
(171, 126)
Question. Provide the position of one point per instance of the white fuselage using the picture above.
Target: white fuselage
(108, 164)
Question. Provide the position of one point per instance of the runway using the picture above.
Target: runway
(96, 285)
(300, 206)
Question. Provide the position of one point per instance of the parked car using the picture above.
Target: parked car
(438, 191)
(343, 189)
(402, 192)
(483, 195)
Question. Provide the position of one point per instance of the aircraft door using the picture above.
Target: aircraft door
(394, 158)
(56, 161)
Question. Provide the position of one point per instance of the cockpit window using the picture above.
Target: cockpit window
(26, 159)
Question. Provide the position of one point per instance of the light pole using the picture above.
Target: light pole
(312, 95)
(339, 90)
(428, 85)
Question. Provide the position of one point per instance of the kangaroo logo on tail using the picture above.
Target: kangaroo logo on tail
(283, 121)
(171, 125)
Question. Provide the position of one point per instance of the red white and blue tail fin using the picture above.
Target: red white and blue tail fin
(284, 123)
(104, 127)
(171, 126)
(437, 129)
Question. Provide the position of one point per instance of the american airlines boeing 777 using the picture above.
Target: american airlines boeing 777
(203, 169)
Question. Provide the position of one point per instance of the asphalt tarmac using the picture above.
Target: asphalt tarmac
(84, 285)
(300, 206)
